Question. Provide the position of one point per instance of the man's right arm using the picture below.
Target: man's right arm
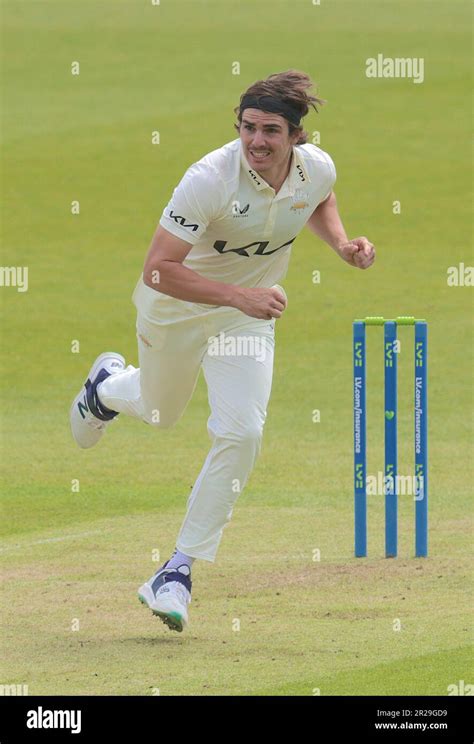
(164, 271)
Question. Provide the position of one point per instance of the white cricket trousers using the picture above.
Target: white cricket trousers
(238, 369)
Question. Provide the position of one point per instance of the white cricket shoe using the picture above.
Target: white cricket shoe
(88, 416)
(168, 594)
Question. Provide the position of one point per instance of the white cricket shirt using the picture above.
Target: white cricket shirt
(240, 230)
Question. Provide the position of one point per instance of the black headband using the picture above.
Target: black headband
(272, 105)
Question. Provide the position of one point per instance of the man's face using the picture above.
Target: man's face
(266, 140)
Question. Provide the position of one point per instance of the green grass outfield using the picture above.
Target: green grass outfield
(305, 625)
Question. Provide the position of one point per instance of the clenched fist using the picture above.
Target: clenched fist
(358, 252)
(260, 302)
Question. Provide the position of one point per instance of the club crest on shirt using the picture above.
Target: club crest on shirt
(299, 200)
(237, 211)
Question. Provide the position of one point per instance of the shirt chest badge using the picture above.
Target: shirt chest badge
(299, 200)
(238, 210)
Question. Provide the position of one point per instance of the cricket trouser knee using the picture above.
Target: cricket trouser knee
(222, 478)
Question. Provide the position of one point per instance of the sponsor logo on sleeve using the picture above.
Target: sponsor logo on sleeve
(182, 221)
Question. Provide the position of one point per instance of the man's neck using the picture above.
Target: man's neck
(277, 182)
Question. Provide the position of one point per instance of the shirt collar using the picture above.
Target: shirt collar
(297, 177)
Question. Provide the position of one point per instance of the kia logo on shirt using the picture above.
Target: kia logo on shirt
(300, 172)
(220, 245)
(182, 221)
(252, 175)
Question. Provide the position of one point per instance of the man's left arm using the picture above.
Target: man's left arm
(326, 223)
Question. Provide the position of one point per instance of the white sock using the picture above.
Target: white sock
(179, 559)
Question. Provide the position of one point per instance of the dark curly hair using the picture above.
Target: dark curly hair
(291, 87)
